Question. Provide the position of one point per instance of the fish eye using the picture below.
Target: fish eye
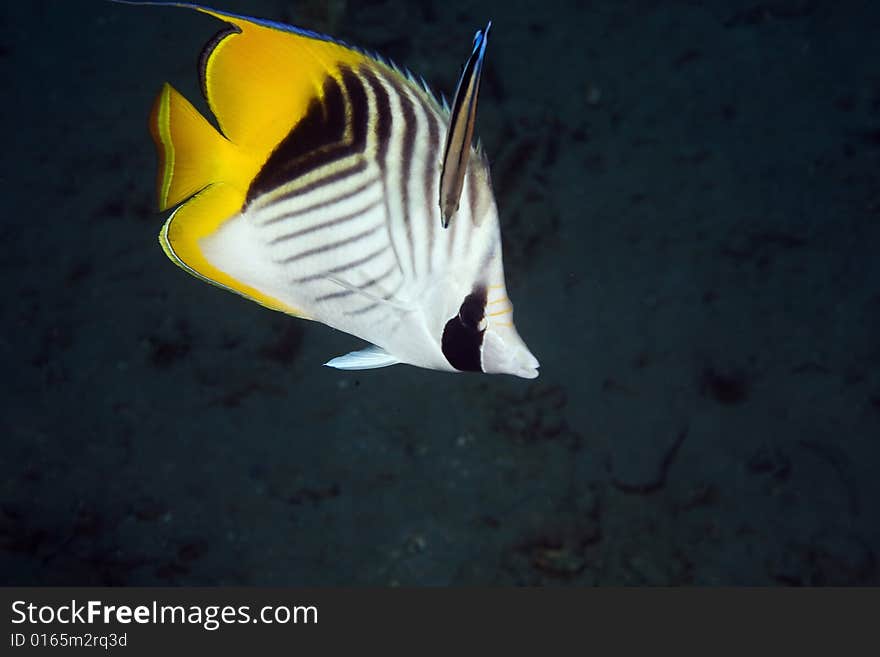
(463, 334)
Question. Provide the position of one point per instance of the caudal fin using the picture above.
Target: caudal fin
(207, 176)
(192, 153)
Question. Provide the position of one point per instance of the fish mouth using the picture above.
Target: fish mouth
(525, 365)
(529, 369)
(527, 374)
(508, 355)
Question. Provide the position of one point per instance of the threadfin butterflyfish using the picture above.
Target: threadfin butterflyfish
(316, 195)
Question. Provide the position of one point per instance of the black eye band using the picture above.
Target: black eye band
(462, 336)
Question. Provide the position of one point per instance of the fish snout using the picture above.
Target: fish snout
(507, 353)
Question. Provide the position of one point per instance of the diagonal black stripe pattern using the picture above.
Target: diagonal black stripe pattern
(406, 156)
(332, 128)
(335, 221)
(344, 267)
(319, 205)
(431, 173)
(324, 248)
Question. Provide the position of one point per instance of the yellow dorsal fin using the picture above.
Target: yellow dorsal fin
(260, 78)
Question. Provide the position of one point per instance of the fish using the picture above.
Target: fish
(336, 187)
(460, 133)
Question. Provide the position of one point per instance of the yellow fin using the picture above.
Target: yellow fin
(197, 163)
(196, 219)
(259, 78)
(191, 151)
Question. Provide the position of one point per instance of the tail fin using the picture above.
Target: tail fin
(192, 153)
(200, 166)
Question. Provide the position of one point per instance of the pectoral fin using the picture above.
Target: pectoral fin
(461, 129)
(366, 359)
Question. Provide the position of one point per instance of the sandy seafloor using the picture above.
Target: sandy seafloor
(690, 202)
